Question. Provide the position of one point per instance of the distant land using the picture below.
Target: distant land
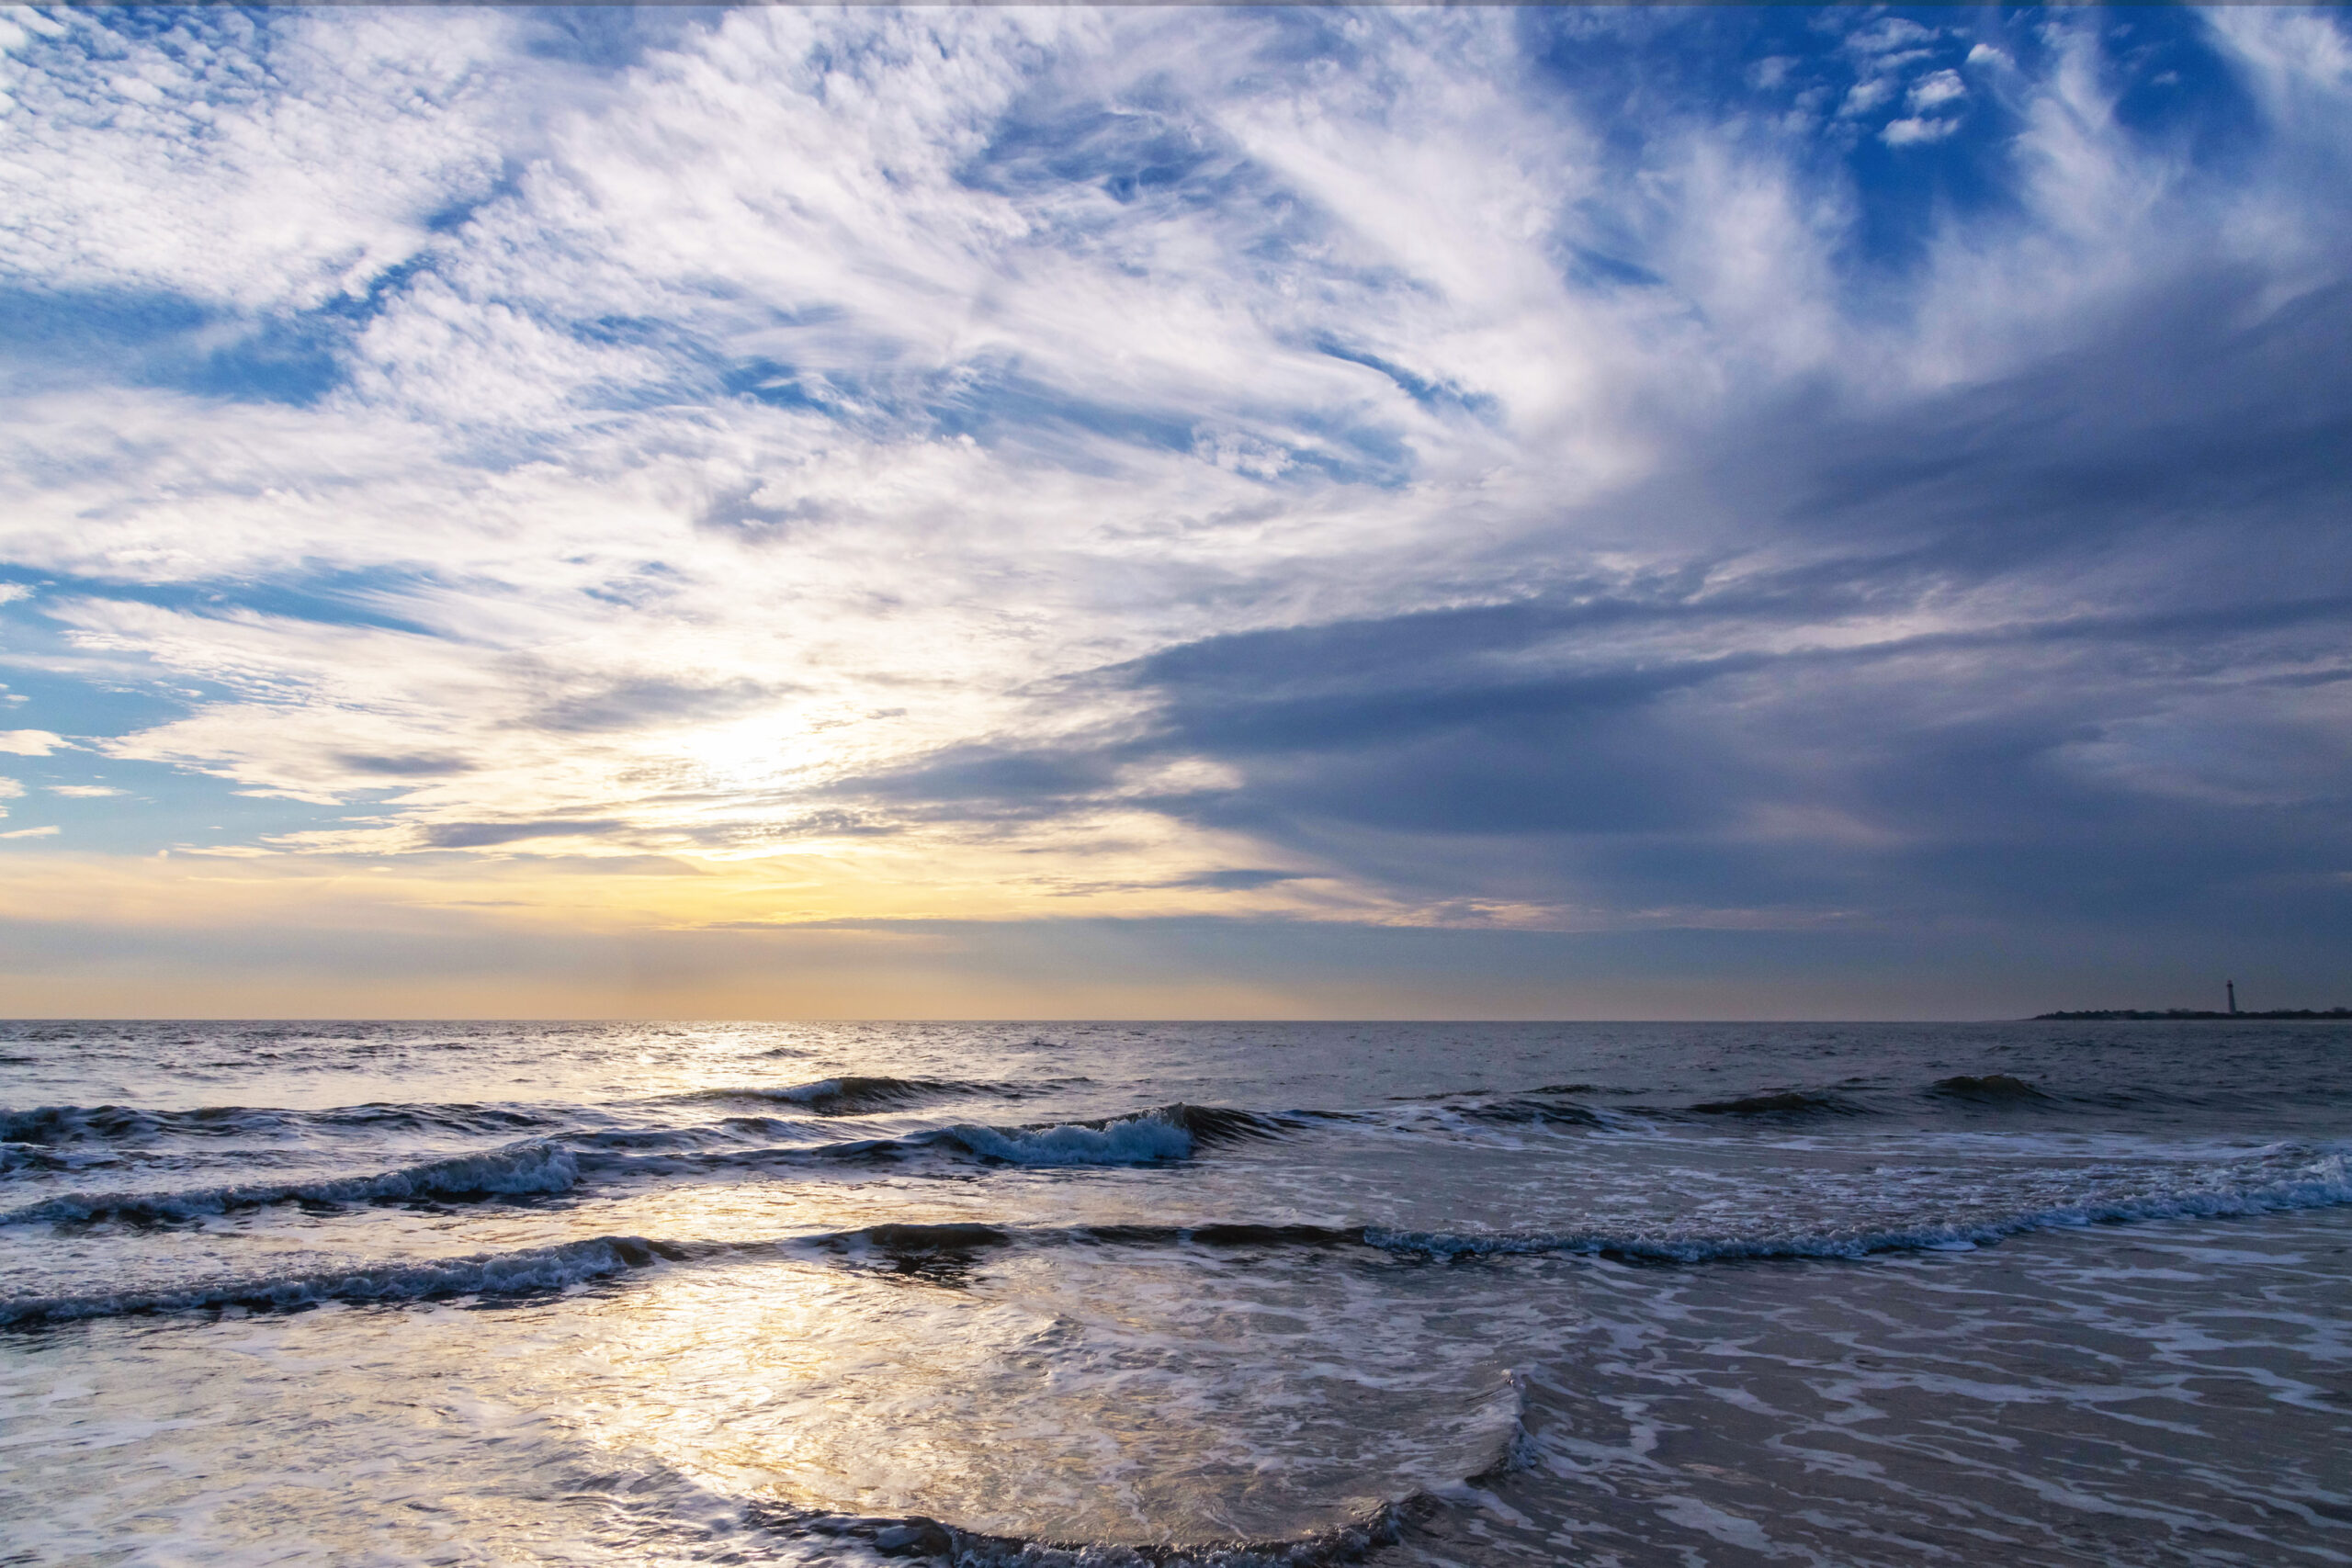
(2097, 1014)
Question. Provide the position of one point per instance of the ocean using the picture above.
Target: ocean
(1491, 1294)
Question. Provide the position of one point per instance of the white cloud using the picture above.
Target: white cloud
(1935, 89)
(1867, 95)
(252, 160)
(84, 792)
(1888, 36)
(1913, 132)
(30, 832)
(29, 742)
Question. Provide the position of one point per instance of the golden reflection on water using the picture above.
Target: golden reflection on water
(870, 1396)
(1192, 1402)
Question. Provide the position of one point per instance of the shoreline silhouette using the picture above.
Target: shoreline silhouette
(2136, 1015)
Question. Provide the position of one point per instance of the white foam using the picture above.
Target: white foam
(1139, 1140)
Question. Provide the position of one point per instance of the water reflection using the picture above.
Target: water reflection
(710, 1347)
(1190, 1398)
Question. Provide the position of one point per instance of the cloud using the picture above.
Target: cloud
(1911, 131)
(483, 835)
(1936, 89)
(84, 792)
(1887, 35)
(1864, 97)
(263, 163)
(1121, 452)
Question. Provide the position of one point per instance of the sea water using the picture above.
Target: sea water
(2049, 1293)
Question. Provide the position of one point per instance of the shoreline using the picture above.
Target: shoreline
(2134, 1015)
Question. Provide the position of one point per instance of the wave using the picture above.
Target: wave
(1977, 1092)
(1160, 1135)
(1567, 1104)
(1163, 1133)
(1561, 1105)
(534, 1166)
(537, 1165)
(1550, 1103)
(1564, 1105)
(17, 1158)
(855, 1094)
(939, 1254)
(860, 1095)
(1147, 1139)
(1995, 1088)
(1533, 1108)
(55, 1125)
(2322, 1182)
(52, 1124)
(490, 1274)
(558, 1161)
(1784, 1102)
(947, 1253)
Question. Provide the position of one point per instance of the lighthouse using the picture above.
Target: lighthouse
(2231, 987)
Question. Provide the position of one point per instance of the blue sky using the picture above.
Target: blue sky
(1616, 511)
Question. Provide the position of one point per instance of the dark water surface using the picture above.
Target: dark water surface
(2040, 1293)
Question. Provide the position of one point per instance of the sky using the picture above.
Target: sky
(1148, 512)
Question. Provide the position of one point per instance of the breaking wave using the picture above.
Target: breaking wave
(534, 1166)
(52, 1126)
(1165, 1133)
(512, 1273)
(1139, 1140)
(945, 1253)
